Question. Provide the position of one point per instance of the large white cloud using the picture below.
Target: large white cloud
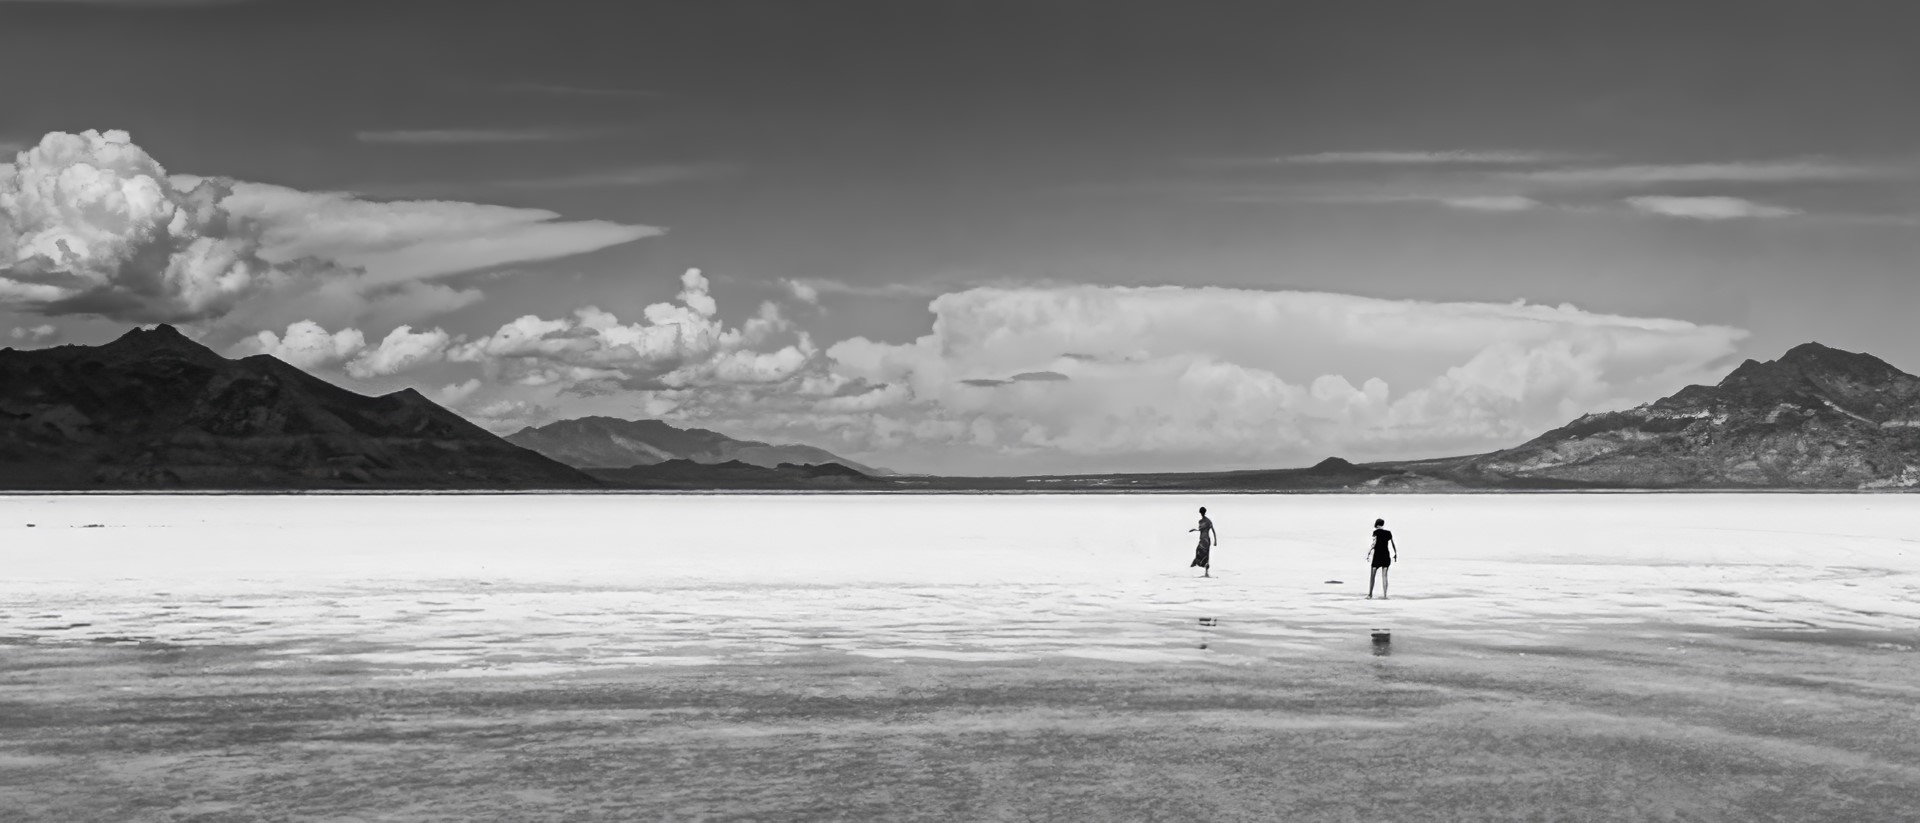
(1100, 378)
(91, 224)
(306, 344)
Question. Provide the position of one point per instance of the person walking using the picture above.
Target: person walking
(1382, 543)
(1203, 555)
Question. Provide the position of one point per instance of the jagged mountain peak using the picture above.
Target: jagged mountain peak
(161, 339)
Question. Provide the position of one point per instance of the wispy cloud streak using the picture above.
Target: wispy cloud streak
(1400, 159)
(1491, 203)
(1762, 171)
(630, 177)
(446, 137)
(1707, 208)
(809, 289)
(1424, 158)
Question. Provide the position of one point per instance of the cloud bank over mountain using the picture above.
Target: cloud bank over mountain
(1011, 377)
(1091, 377)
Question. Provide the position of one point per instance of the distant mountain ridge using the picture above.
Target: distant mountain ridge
(153, 409)
(1818, 418)
(613, 443)
(681, 473)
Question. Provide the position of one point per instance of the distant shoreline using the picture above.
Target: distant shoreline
(1058, 492)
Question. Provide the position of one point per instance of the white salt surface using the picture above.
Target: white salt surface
(536, 584)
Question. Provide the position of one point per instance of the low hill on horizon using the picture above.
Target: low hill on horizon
(155, 410)
(684, 474)
(612, 443)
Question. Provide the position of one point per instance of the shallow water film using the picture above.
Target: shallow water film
(530, 657)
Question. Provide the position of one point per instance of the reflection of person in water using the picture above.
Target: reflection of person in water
(1203, 555)
(1382, 542)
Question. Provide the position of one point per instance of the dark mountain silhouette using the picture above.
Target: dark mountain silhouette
(154, 409)
(1818, 418)
(609, 442)
(681, 473)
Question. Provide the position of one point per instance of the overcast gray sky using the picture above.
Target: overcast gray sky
(986, 237)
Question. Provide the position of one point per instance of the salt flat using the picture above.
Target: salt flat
(958, 657)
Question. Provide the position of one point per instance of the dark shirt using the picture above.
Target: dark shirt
(1381, 537)
(1206, 531)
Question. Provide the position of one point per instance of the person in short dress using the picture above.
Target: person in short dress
(1384, 552)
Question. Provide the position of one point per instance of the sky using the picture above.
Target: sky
(976, 236)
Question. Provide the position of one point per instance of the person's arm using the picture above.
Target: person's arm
(1215, 533)
(1396, 548)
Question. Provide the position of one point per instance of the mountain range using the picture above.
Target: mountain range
(612, 443)
(154, 409)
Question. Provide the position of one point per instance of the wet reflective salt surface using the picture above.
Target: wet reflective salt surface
(1660, 657)
(451, 585)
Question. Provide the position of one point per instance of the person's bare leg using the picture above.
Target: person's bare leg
(1371, 574)
(1383, 583)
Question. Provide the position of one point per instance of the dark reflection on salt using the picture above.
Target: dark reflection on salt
(1382, 643)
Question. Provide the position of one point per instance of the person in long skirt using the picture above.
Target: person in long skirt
(1384, 552)
(1203, 555)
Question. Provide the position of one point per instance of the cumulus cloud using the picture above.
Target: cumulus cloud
(309, 346)
(456, 394)
(306, 345)
(1707, 208)
(403, 349)
(674, 345)
(1098, 378)
(90, 224)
